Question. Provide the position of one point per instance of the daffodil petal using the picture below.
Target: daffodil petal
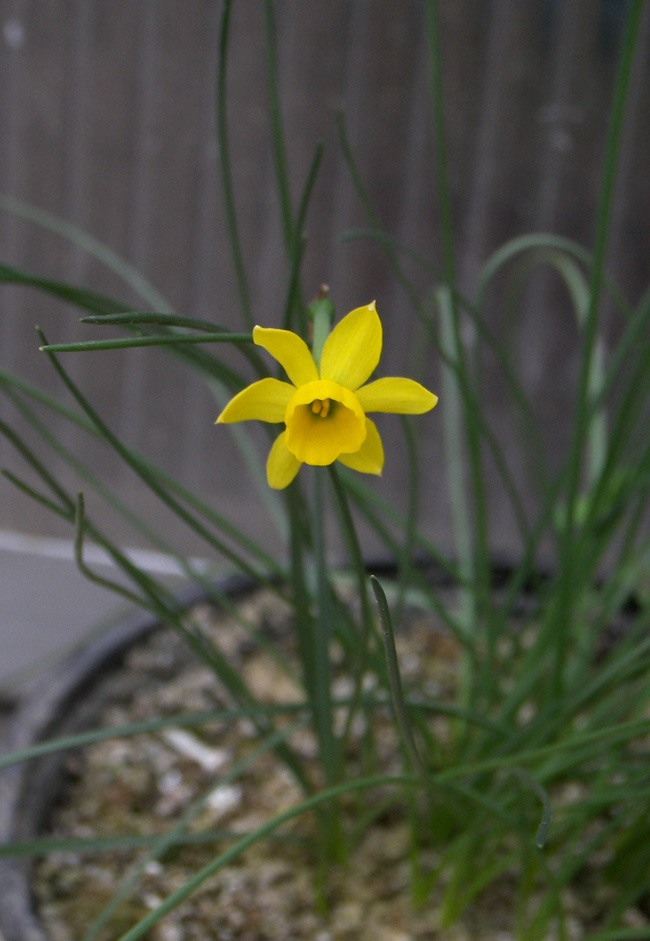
(265, 400)
(404, 396)
(281, 466)
(291, 352)
(352, 350)
(369, 459)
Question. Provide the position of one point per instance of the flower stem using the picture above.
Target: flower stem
(331, 833)
(323, 717)
(321, 312)
(356, 562)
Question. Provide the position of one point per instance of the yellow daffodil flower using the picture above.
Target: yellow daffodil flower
(324, 409)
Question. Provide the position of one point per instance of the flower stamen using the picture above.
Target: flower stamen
(321, 407)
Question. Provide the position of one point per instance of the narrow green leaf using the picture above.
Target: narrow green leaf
(128, 342)
(91, 246)
(399, 706)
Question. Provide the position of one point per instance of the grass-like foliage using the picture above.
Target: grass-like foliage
(542, 776)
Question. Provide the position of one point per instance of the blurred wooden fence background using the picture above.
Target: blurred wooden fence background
(107, 120)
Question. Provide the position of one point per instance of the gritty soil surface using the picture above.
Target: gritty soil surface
(275, 891)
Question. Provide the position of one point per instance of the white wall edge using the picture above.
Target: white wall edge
(48, 547)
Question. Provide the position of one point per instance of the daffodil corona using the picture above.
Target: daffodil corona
(324, 407)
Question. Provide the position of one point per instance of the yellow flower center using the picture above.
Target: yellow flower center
(321, 408)
(324, 419)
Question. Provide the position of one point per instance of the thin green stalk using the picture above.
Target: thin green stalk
(612, 710)
(628, 427)
(300, 546)
(361, 651)
(204, 362)
(375, 510)
(593, 540)
(596, 429)
(294, 303)
(145, 727)
(632, 339)
(92, 846)
(597, 740)
(277, 136)
(541, 793)
(30, 491)
(91, 246)
(568, 560)
(386, 240)
(603, 219)
(471, 685)
(321, 313)
(442, 176)
(621, 934)
(397, 694)
(308, 189)
(469, 880)
(79, 527)
(566, 265)
(323, 714)
(481, 550)
(455, 460)
(405, 562)
(571, 864)
(226, 172)
(65, 506)
(541, 241)
(120, 343)
(355, 554)
(80, 297)
(533, 665)
(137, 317)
